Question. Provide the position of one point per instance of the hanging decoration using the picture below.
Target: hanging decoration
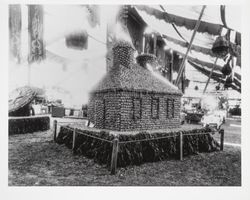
(209, 66)
(217, 87)
(221, 46)
(35, 27)
(77, 40)
(235, 50)
(227, 69)
(147, 58)
(236, 85)
(228, 82)
(15, 25)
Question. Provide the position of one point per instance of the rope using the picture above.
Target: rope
(96, 39)
(98, 138)
(149, 139)
(69, 123)
(132, 141)
(197, 133)
(170, 20)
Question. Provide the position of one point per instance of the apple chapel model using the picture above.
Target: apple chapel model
(130, 97)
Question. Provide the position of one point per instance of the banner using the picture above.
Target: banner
(15, 26)
(35, 27)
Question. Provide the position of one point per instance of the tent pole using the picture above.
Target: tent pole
(171, 65)
(189, 46)
(210, 75)
(155, 42)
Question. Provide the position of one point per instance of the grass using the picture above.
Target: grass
(35, 160)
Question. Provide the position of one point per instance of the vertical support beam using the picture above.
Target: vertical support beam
(114, 155)
(155, 43)
(210, 75)
(221, 139)
(147, 37)
(171, 65)
(143, 43)
(189, 46)
(183, 81)
(181, 146)
(74, 139)
(55, 129)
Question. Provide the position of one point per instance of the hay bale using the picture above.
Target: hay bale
(136, 153)
(22, 125)
(90, 147)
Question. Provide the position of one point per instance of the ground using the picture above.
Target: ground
(34, 159)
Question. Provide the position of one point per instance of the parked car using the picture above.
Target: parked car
(222, 114)
(194, 117)
(212, 120)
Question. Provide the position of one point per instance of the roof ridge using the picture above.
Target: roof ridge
(134, 77)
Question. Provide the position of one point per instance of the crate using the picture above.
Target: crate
(58, 112)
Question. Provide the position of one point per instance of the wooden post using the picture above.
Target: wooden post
(221, 139)
(189, 47)
(74, 139)
(210, 75)
(155, 43)
(143, 43)
(55, 129)
(147, 37)
(171, 65)
(182, 81)
(114, 156)
(181, 146)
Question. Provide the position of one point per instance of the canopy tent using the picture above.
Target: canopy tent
(186, 16)
(175, 24)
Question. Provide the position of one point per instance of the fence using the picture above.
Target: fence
(116, 143)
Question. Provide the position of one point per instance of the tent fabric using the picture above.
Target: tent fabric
(203, 42)
(201, 39)
(200, 58)
(187, 22)
(216, 76)
(194, 47)
(212, 14)
(210, 28)
(200, 53)
(210, 66)
(203, 50)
